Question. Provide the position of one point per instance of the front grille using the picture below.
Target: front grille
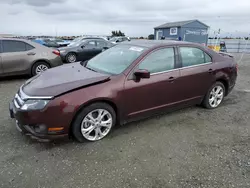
(18, 100)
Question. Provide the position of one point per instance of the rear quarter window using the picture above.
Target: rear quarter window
(29, 47)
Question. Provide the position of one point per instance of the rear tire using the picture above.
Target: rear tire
(71, 58)
(214, 96)
(87, 125)
(39, 67)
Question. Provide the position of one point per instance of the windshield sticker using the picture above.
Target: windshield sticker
(137, 49)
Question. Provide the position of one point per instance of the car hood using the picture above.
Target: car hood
(62, 79)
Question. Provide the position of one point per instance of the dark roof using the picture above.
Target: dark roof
(152, 43)
(177, 24)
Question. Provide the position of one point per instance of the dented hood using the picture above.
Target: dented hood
(62, 79)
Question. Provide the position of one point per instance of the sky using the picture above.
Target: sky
(133, 17)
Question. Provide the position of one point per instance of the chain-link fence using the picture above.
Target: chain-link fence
(232, 45)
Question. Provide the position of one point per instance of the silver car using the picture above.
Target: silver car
(18, 57)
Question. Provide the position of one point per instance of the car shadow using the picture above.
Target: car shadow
(14, 78)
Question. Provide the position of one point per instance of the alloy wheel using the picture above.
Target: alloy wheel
(216, 96)
(41, 68)
(96, 124)
(71, 58)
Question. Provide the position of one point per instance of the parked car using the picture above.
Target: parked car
(84, 38)
(60, 42)
(127, 82)
(47, 42)
(19, 57)
(84, 49)
(116, 40)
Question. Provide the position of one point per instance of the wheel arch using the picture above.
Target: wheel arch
(225, 83)
(101, 100)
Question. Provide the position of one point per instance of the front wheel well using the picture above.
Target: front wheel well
(225, 83)
(113, 105)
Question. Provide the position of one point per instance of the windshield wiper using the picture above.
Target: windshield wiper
(90, 69)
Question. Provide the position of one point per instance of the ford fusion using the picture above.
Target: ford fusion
(130, 81)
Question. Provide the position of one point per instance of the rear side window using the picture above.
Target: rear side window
(101, 44)
(207, 58)
(159, 61)
(13, 46)
(193, 56)
(29, 47)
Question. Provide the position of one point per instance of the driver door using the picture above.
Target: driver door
(87, 50)
(148, 96)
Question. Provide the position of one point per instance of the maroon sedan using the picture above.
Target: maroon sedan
(128, 82)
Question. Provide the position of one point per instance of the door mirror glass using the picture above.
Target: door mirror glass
(82, 46)
(142, 73)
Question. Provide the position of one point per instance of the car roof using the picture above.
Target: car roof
(154, 43)
(36, 45)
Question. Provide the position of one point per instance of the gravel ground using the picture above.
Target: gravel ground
(193, 147)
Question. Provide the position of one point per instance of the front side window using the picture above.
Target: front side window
(159, 61)
(90, 44)
(116, 59)
(193, 56)
(13, 46)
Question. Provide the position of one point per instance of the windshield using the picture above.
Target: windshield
(76, 40)
(116, 59)
(113, 39)
(75, 44)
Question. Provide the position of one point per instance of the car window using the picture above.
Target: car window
(29, 47)
(207, 58)
(101, 44)
(0, 46)
(193, 56)
(13, 46)
(159, 61)
(116, 59)
(90, 44)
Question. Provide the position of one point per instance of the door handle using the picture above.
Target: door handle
(171, 79)
(210, 71)
(31, 53)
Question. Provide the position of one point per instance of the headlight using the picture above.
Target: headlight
(34, 104)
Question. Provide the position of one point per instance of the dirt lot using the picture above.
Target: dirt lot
(193, 147)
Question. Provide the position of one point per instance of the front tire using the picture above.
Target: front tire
(94, 122)
(214, 96)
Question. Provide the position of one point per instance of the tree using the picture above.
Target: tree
(117, 33)
(151, 37)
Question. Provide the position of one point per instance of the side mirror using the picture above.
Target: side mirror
(142, 73)
(82, 46)
(105, 48)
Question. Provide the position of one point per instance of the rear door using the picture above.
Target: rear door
(196, 72)
(15, 56)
